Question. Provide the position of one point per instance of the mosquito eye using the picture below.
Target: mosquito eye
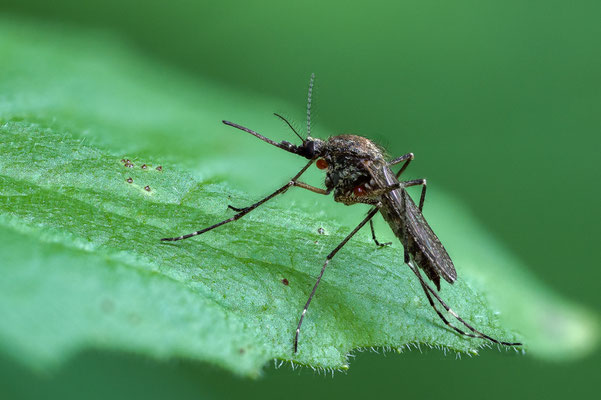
(321, 164)
(359, 191)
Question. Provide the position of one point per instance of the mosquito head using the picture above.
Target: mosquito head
(311, 148)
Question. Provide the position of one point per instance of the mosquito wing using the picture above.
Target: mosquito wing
(423, 243)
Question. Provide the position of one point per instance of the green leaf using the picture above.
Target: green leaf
(82, 265)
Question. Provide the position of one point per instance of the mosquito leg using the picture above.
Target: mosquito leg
(468, 326)
(231, 207)
(427, 290)
(416, 182)
(407, 158)
(244, 211)
(311, 188)
(424, 287)
(297, 184)
(328, 258)
(373, 235)
(422, 197)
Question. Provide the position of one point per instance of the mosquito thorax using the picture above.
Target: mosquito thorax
(348, 159)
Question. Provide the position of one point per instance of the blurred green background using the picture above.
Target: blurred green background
(509, 90)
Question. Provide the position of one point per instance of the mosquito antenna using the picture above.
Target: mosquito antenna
(309, 104)
(290, 125)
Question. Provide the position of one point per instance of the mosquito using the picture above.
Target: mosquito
(357, 172)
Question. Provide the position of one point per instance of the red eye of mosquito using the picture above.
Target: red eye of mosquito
(359, 191)
(321, 164)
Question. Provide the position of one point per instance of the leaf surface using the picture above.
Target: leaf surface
(82, 265)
